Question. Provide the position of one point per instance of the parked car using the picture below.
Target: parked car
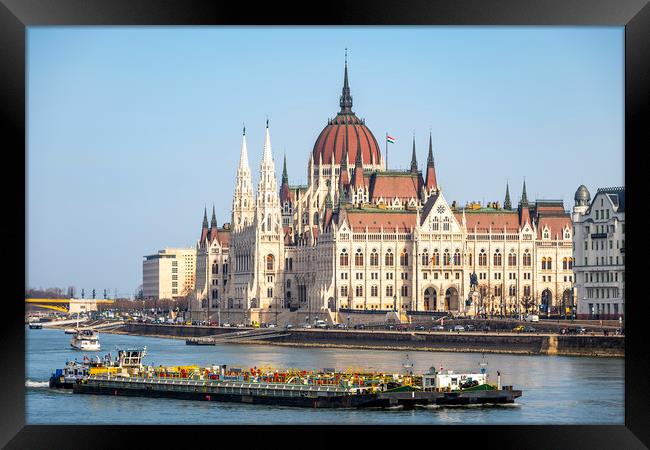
(226, 325)
(518, 328)
(240, 325)
(459, 328)
(288, 326)
(438, 328)
(320, 323)
(470, 327)
(341, 325)
(307, 326)
(271, 325)
(530, 329)
(486, 328)
(532, 318)
(420, 327)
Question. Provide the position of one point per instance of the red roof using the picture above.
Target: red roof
(555, 224)
(359, 220)
(484, 220)
(331, 141)
(285, 194)
(392, 186)
(224, 237)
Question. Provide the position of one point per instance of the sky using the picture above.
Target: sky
(132, 131)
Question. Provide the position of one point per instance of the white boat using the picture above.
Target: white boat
(87, 340)
(71, 331)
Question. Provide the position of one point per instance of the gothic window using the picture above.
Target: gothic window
(549, 263)
(344, 257)
(565, 263)
(404, 258)
(571, 261)
(316, 217)
(389, 291)
(512, 258)
(482, 258)
(389, 258)
(405, 291)
(436, 258)
(374, 258)
(469, 259)
(270, 260)
(215, 268)
(425, 258)
(344, 291)
(512, 290)
(446, 259)
(544, 263)
(373, 291)
(358, 258)
(497, 291)
(457, 258)
(268, 222)
(545, 236)
(269, 292)
(527, 258)
(436, 224)
(215, 294)
(288, 284)
(359, 291)
(497, 258)
(445, 225)
(527, 291)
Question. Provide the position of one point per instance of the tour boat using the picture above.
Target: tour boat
(87, 340)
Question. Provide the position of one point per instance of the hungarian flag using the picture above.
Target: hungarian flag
(390, 139)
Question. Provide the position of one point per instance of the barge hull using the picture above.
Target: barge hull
(376, 400)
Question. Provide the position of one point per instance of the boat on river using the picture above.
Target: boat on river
(326, 388)
(87, 340)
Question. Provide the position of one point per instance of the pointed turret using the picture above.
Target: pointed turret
(506, 201)
(242, 203)
(524, 212)
(431, 181)
(414, 161)
(285, 192)
(213, 226)
(267, 156)
(346, 98)
(285, 179)
(204, 226)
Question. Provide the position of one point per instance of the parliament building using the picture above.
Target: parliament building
(361, 241)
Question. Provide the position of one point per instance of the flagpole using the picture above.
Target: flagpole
(386, 150)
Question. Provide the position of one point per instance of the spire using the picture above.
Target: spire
(243, 157)
(213, 222)
(213, 226)
(524, 197)
(506, 202)
(205, 217)
(346, 98)
(267, 157)
(285, 179)
(414, 161)
(431, 182)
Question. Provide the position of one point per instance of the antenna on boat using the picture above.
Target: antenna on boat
(408, 364)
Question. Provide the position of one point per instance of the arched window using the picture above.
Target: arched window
(436, 258)
(358, 258)
(316, 218)
(359, 291)
(445, 224)
(512, 290)
(270, 260)
(404, 258)
(549, 263)
(446, 260)
(389, 291)
(374, 258)
(405, 291)
(457, 260)
(512, 258)
(469, 259)
(373, 291)
(565, 263)
(497, 257)
(497, 291)
(344, 291)
(425, 257)
(344, 258)
(527, 258)
(268, 222)
(389, 258)
(544, 263)
(527, 291)
(288, 284)
(436, 224)
(571, 261)
(215, 268)
(482, 258)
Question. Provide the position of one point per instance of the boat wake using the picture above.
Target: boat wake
(36, 384)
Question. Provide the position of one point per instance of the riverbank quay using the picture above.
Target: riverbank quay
(479, 342)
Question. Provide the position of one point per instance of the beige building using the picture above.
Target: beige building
(169, 274)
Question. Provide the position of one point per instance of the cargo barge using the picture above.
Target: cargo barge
(327, 388)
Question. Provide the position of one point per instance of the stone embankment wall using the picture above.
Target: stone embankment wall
(529, 344)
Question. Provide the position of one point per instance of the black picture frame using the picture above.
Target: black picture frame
(16, 15)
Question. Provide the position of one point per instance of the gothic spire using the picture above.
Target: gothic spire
(213, 222)
(243, 157)
(506, 202)
(205, 217)
(346, 98)
(267, 156)
(524, 197)
(430, 157)
(414, 161)
(285, 179)
(431, 182)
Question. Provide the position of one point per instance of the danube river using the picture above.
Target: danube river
(556, 389)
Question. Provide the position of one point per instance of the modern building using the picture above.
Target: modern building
(599, 252)
(169, 274)
(359, 240)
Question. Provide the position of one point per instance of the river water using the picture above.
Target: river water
(556, 389)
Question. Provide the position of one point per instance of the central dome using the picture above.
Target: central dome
(346, 129)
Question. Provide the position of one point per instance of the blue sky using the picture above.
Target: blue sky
(132, 130)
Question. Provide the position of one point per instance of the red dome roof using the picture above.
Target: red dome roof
(331, 141)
